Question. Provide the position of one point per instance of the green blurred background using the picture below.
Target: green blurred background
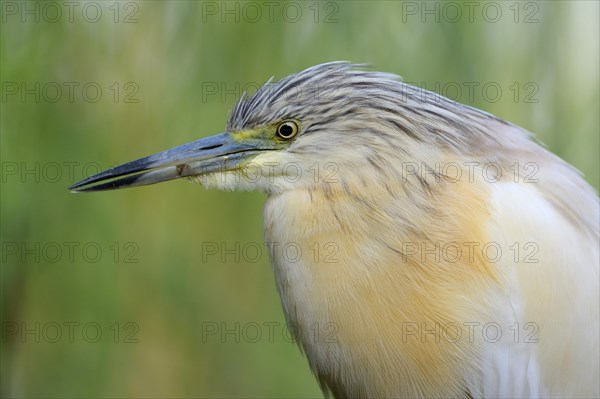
(121, 294)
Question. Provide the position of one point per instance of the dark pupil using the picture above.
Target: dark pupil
(286, 130)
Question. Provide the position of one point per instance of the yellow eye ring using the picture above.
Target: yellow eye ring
(287, 130)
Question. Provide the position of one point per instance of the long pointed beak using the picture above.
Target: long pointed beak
(212, 154)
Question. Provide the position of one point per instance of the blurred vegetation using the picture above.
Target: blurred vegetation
(169, 57)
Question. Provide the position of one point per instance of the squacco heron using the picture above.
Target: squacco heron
(463, 258)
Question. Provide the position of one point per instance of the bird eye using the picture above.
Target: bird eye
(287, 130)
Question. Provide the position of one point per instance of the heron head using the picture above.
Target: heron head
(313, 128)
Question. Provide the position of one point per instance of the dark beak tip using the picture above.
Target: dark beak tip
(77, 190)
(78, 187)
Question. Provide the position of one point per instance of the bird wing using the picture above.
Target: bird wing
(548, 230)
